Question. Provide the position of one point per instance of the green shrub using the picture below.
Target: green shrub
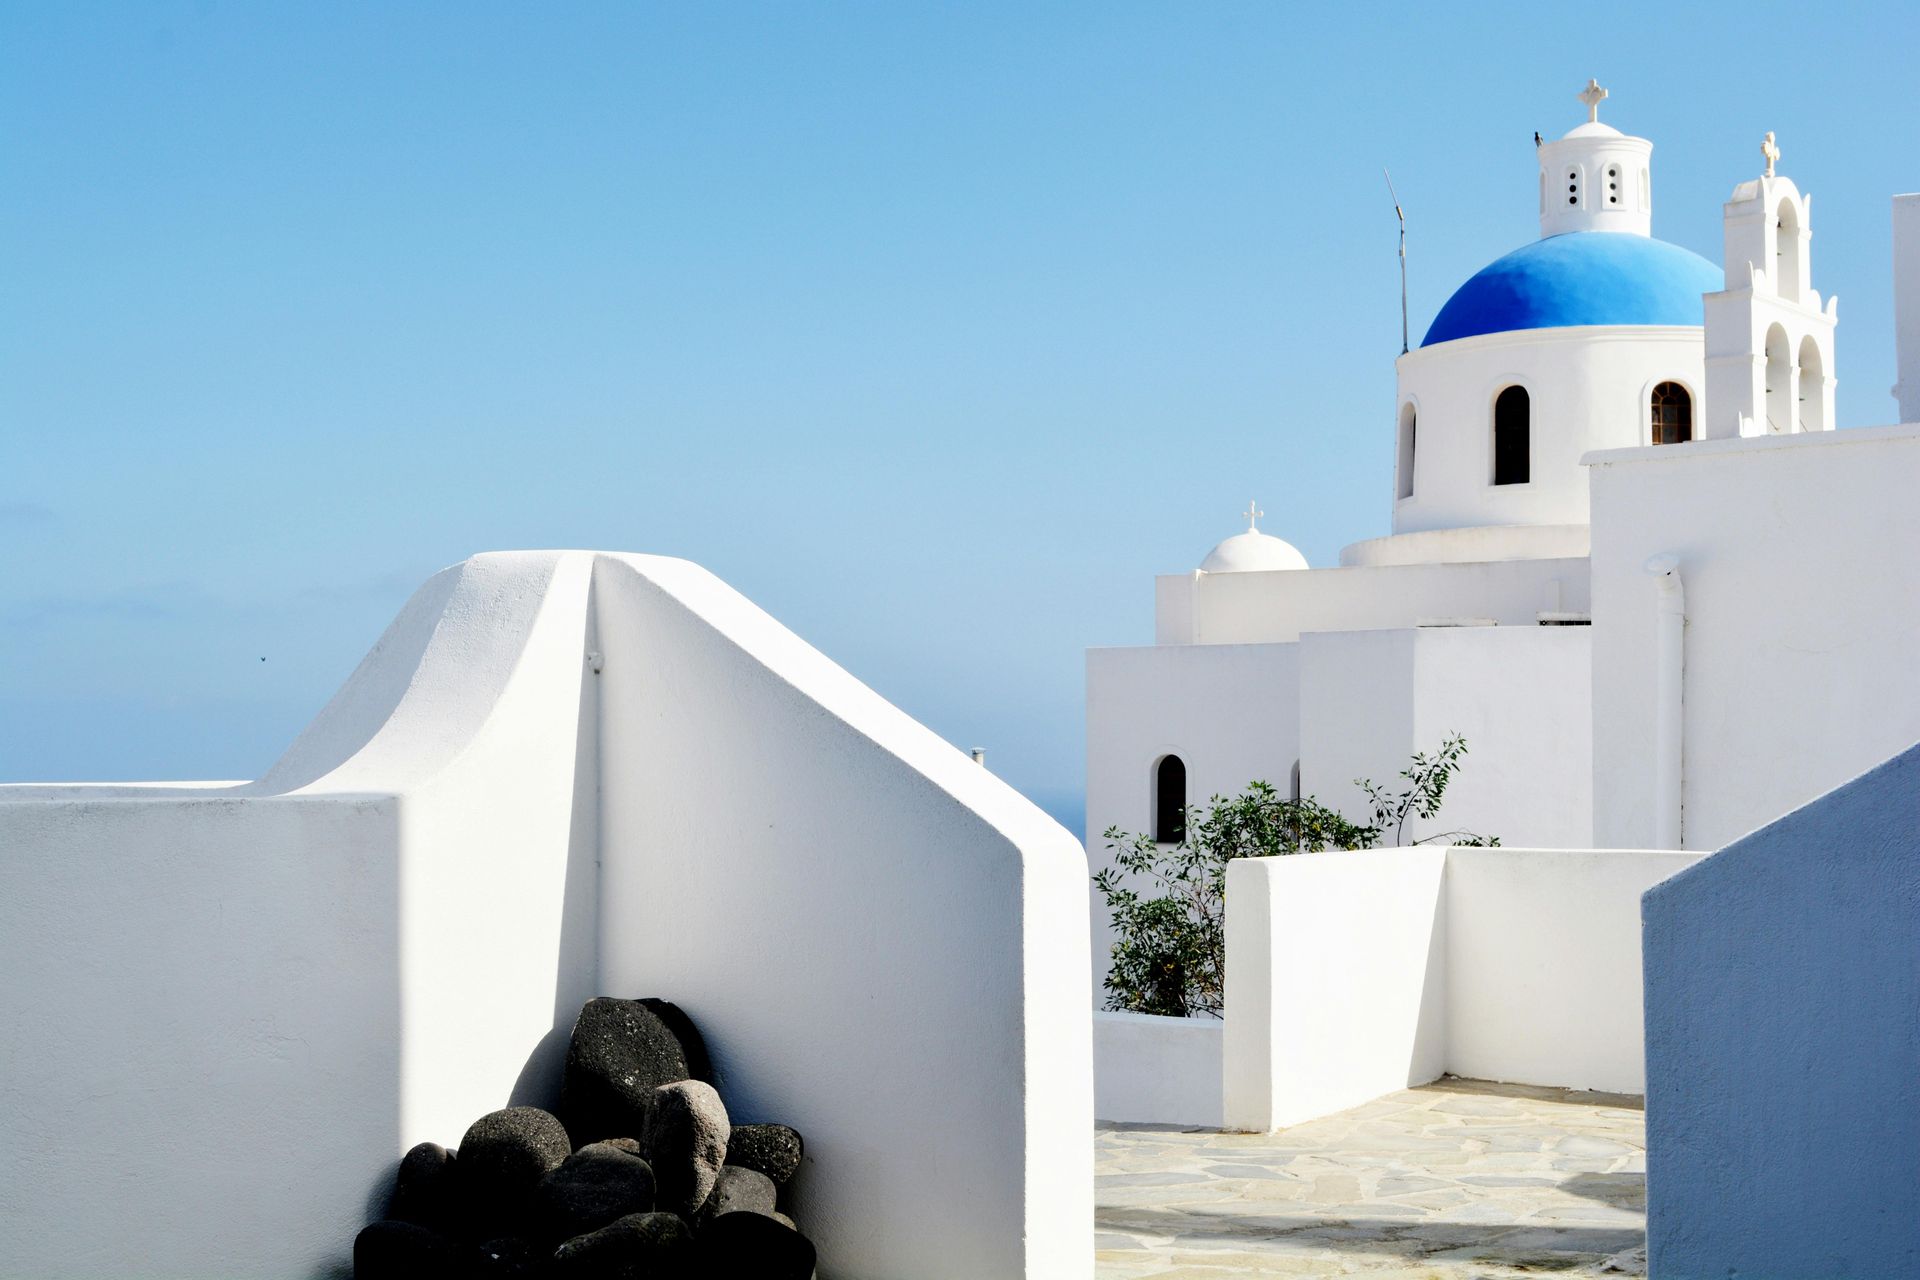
(1169, 901)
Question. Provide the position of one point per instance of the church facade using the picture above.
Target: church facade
(1630, 560)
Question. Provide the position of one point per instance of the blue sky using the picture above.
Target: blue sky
(937, 330)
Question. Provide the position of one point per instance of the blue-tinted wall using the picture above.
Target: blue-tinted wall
(1783, 1045)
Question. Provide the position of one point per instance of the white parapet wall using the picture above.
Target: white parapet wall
(1154, 1070)
(1354, 974)
(231, 1007)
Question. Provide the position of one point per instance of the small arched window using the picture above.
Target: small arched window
(1170, 800)
(1511, 450)
(1293, 792)
(1672, 414)
(1407, 425)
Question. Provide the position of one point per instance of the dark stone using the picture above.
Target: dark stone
(640, 1246)
(596, 1184)
(685, 1140)
(739, 1190)
(752, 1244)
(502, 1160)
(772, 1149)
(621, 1051)
(692, 1045)
(392, 1250)
(629, 1145)
(423, 1190)
(511, 1258)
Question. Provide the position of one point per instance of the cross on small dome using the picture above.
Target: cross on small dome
(1253, 514)
(1593, 95)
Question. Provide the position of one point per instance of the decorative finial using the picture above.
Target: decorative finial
(1770, 151)
(1253, 514)
(1593, 95)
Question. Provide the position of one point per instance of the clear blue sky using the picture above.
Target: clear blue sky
(936, 330)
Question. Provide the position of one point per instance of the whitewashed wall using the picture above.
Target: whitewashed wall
(233, 1007)
(1350, 975)
(1230, 712)
(1520, 696)
(1589, 387)
(1154, 1070)
(1277, 607)
(1802, 621)
(1336, 982)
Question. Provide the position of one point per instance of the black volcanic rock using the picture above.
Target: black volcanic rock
(752, 1244)
(640, 1246)
(621, 1051)
(390, 1250)
(772, 1149)
(424, 1190)
(739, 1190)
(597, 1184)
(502, 1159)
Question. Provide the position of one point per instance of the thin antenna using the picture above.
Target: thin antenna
(1403, 259)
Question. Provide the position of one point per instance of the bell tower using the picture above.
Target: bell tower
(1596, 178)
(1769, 340)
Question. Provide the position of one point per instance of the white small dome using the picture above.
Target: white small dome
(1252, 551)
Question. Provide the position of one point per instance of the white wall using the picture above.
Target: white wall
(1906, 304)
(1230, 712)
(1543, 964)
(1335, 982)
(1802, 621)
(1277, 607)
(1350, 975)
(390, 933)
(1589, 389)
(1520, 696)
(1154, 1070)
(882, 941)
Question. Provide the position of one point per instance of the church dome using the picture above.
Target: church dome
(1252, 552)
(1580, 278)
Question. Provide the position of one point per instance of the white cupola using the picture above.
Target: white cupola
(1252, 551)
(1596, 178)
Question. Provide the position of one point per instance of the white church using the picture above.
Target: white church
(1631, 562)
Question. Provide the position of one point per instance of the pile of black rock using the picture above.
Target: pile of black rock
(639, 1175)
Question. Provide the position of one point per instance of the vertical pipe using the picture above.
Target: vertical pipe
(1670, 620)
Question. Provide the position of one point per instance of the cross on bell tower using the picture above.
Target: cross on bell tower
(1593, 95)
(1770, 151)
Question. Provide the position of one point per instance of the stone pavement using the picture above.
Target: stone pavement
(1458, 1180)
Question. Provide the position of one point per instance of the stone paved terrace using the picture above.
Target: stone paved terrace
(1458, 1180)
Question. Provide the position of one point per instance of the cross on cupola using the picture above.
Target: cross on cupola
(1253, 514)
(1593, 95)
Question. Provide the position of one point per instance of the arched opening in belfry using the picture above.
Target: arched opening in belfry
(1512, 449)
(1786, 250)
(1780, 406)
(1812, 387)
(1170, 800)
(1408, 423)
(1671, 412)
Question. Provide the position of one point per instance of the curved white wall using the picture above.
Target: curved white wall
(1589, 388)
(390, 934)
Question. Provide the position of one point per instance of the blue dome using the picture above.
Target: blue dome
(1582, 277)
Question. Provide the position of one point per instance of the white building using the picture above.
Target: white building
(1630, 562)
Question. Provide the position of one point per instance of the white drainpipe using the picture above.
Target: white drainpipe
(1668, 657)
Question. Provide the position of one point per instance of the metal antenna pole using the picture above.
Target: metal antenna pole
(1403, 259)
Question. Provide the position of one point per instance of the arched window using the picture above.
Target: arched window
(1407, 424)
(1780, 406)
(1170, 800)
(1813, 387)
(1672, 414)
(1786, 250)
(1510, 426)
(1294, 782)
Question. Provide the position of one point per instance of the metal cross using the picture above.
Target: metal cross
(1593, 95)
(1770, 151)
(1252, 513)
